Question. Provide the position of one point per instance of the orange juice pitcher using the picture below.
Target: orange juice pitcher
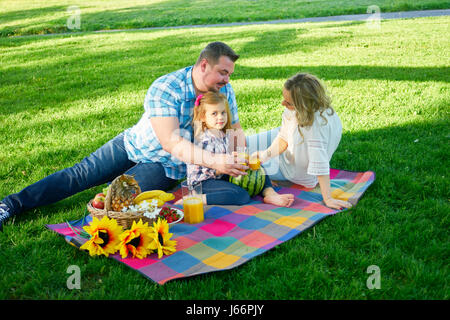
(192, 202)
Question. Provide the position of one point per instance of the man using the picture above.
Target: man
(157, 148)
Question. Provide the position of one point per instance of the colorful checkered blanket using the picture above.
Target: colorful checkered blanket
(232, 235)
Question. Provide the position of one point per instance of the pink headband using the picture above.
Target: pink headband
(197, 101)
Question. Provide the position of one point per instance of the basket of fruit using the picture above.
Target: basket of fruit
(124, 202)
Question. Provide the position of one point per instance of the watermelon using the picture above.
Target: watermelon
(253, 182)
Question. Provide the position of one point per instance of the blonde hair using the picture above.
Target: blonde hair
(309, 95)
(209, 98)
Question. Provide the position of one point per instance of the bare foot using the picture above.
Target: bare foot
(281, 200)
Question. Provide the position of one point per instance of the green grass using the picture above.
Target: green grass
(61, 97)
(23, 17)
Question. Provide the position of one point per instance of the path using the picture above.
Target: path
(353, 17)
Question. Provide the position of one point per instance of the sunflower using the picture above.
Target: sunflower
(104, 236)
(161, 238)
(136, 240)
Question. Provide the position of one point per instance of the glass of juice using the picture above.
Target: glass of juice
(192, 202)
(242, 153)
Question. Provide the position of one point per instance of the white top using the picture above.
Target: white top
(306, 158)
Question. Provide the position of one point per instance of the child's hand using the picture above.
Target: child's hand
(337, 204)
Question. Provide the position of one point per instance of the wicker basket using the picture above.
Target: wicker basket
(124, 219)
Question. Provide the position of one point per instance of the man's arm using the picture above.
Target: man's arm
(166, 130)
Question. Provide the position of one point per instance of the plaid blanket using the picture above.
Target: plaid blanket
(232, 235)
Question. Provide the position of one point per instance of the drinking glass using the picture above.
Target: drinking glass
(242, 153)
(192, 202)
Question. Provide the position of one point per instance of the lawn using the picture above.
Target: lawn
(22, 17)
(61, 97)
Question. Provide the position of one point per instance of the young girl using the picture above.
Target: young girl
(310, 133)
(211, 120)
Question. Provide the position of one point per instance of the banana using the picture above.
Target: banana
(166, 196)
(159, 195)
(147, 195)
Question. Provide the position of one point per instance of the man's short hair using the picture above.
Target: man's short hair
(214, 50)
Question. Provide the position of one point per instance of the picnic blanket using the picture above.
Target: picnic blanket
(232, 235)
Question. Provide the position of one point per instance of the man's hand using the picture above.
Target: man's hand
(229, 164)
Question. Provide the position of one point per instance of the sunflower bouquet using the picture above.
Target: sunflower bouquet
(106, 236)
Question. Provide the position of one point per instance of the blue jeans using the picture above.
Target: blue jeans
(261, 141)
(222, 192)
(103, 165)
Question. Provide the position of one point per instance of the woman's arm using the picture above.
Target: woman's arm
(278, 146)
(324, 182)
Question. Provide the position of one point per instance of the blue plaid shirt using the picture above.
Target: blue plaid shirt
(172, 95)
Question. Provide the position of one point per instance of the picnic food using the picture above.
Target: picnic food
(148, 208)
(159, 195)
(99, 201)
(119, 203)
(253, 182)
(121, 193)
(169, 214)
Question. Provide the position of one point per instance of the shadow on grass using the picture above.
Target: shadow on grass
(340, 25)
(278, 42)
(72, 70)
(75, 71)
(9, 16)
(351, 72)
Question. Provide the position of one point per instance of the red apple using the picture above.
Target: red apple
(99, 201)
